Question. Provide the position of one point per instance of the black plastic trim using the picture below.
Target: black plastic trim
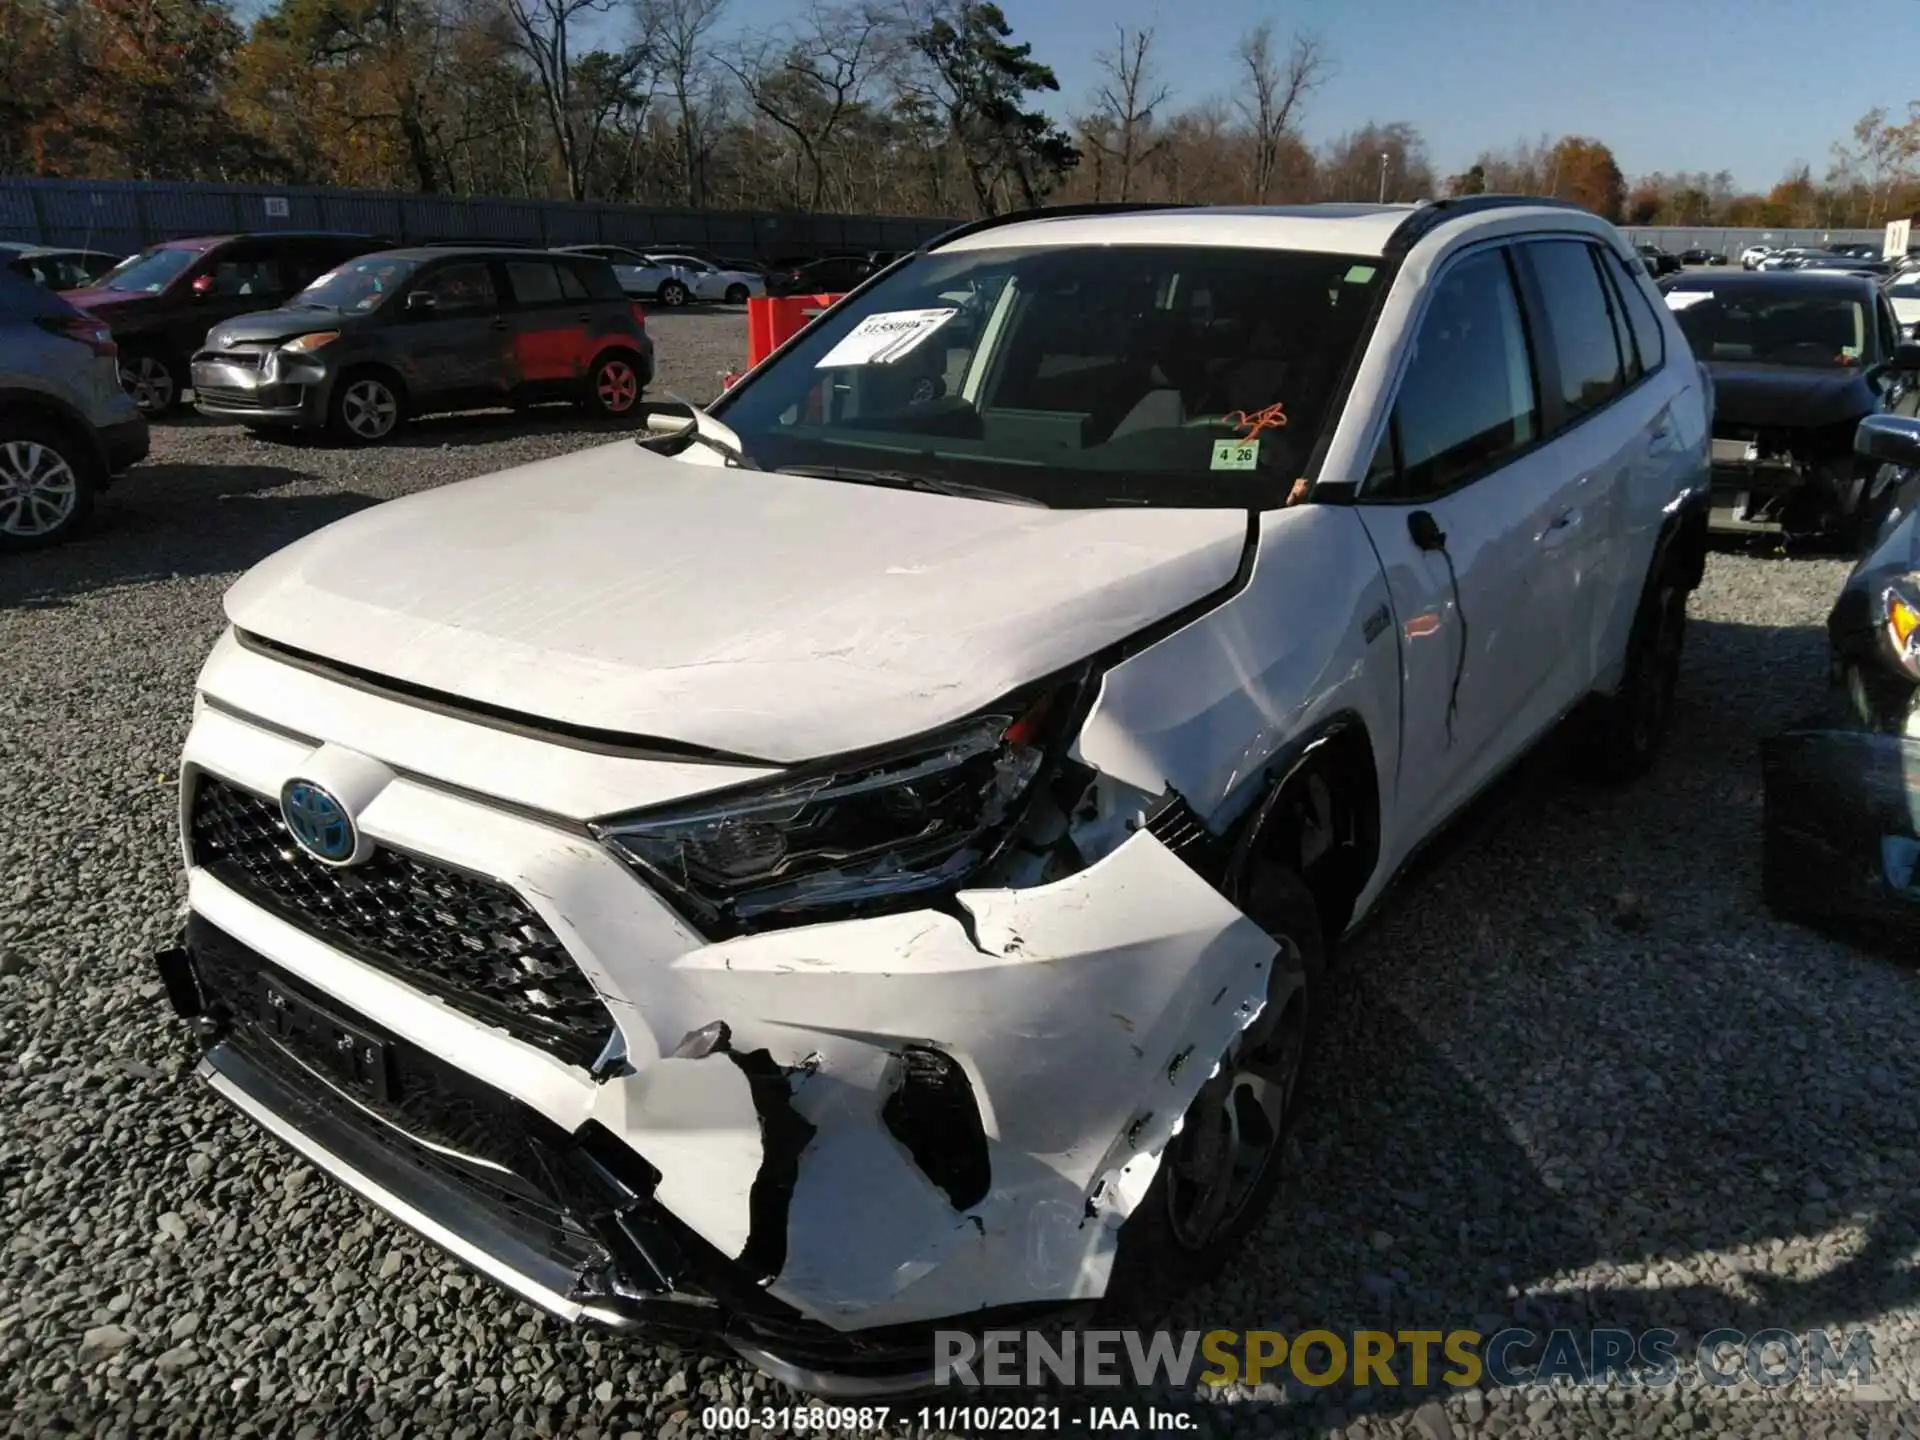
(1431, 216)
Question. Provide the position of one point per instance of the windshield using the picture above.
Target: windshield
(359, 285)
(1776, 328)
(149, 272)
(1175, 375)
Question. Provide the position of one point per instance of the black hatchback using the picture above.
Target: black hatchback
(401, 332)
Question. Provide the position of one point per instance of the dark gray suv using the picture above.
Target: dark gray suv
(402, 332)
(66, 426)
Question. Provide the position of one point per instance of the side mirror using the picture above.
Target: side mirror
(1889, 439)
(202, 285)
(422, 302)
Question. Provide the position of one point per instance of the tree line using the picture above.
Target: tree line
(904, 107)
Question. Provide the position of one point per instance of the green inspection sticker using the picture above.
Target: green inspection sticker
(1236, 455)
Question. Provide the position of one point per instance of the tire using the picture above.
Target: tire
(673, 294)
(614, 385)
(1194, 1219)
(47, 483)
(1631, 723)
(154, 382)
(738, 294)
(366, 408)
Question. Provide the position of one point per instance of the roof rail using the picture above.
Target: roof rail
(1052, 212)
(1431, 214)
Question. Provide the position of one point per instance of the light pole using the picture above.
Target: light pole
(1383, 177)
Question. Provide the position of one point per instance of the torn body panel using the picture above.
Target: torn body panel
(1250, 683)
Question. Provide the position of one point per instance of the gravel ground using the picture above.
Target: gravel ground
(1573, 1077)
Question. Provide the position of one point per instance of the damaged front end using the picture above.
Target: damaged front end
(877, 1048)
(1784, 479)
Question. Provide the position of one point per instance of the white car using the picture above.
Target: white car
(1753, 255)
(1903, 293)
(1790, 258)
(704, 280)
(641, 275)
(869, 857)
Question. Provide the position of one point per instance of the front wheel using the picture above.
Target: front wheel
(1634, 720)
(46, 485)
(673, 294)
(737, 294)
(152, 382)
(1220, 1174)
(614, 386)
(366, 409)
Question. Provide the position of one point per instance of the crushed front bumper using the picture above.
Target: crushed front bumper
(567, 1222)
(268, 388)
(1842, 832)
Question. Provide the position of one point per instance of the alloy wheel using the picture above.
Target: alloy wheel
(38, 489)
(617, 387)
(148, 380)
(369, 409)
(673, 293)
(1234, 1129)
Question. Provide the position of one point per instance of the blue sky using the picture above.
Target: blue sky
(1750, 86)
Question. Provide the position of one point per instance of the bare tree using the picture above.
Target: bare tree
(677, 31)
(1122, 122)
(810, 79)
(542, 33)
(1275, 89)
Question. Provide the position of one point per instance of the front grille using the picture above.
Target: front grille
(229, 397)
(470, 940)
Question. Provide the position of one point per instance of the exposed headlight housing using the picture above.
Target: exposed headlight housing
(860, 836)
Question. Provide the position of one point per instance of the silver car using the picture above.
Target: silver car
(705, 280)
(66, 425)
(643, 276)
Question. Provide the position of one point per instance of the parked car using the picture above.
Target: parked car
(1858, 251)
(1658, 262)
(402, 332)
(1700, 255)
(55, 267)
(829, 275)
(647, 871)
(705, 280)
(1792, 258)
(1840, 840)
(66, 426)
(1751, 257)
(161, 302)
(1903, 293)
(640, 274)
(1852, 264)
(1797, 360)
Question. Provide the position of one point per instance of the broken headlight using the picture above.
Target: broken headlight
(1900, 623)
(863, 836)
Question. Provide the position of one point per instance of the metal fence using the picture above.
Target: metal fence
(1730, 242)
(120, 216)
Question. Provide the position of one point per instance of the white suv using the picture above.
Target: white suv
(869, 856)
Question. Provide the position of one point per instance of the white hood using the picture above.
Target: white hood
(765, 615)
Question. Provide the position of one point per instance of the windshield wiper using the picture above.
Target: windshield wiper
(701, 429)
(904, 480)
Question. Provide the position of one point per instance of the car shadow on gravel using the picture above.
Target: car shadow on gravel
(168, 521)
(1626, 1098)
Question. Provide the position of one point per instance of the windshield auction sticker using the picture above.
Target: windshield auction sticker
(884, 338)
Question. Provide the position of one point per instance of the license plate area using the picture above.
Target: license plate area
(352, 1056)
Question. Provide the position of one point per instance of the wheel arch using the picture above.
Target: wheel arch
(67, 418)
(1334, 770)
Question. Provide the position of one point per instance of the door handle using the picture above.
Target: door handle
(1659, 433)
